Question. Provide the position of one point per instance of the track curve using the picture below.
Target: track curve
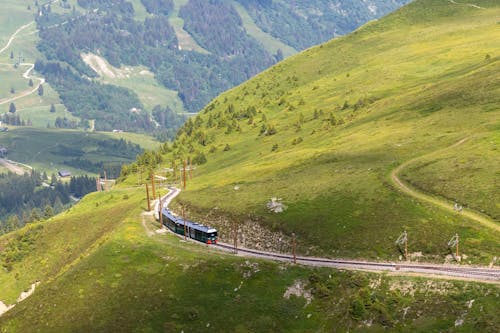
(483, 274)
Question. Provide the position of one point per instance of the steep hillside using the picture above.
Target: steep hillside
(101, 267)
(196, 49)
(325, 129)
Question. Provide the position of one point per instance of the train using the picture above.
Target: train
(196, 231)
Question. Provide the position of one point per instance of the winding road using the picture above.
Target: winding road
(483, 274)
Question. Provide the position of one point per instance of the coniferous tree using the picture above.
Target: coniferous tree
(12, 108)
(40, 90)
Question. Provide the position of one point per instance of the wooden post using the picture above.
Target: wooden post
(456, 251)
(294, 245)
(153, 184)
(147, 197)
(160, 214)
(105, 181)
(235, 237)
(406, 245)
(184, 169)
(184, 219)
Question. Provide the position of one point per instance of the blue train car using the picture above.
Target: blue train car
(192, 229)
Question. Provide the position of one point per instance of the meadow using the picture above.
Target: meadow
(330, 124)
(48, 149)
(119, 275)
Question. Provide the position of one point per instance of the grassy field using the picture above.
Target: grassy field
(100, 269)
(36, 108)
(346, 114)
(136, 78)
(46, 150)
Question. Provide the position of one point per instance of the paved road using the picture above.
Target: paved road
(484, 274)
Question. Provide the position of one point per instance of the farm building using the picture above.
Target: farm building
(64, 173)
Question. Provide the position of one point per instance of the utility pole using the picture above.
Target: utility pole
(105, 181)
(294, 246)
(184, 219)
(153, 184)
(161, 211)
(184, 169)
(235, 237)
(147, 197)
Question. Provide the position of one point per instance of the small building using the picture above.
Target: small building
(64, 173)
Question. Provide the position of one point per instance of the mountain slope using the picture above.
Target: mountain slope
(196, 49)
(324, 129)
(101, 268)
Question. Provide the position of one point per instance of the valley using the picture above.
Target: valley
(358, 177)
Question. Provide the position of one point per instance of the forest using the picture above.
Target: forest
(34, 197)
(302, 24)
(122, 40)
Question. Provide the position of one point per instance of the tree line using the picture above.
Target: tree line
(34, 197)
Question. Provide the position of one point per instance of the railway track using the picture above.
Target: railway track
(451, 271)
(477, 273)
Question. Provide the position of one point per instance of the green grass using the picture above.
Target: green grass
(100, 272)
(138, 79)
(14, 14)
(47, 149)
(421, 80)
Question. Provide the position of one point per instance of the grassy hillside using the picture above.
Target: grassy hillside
(50, 150)
(101, 269)
(15, 15)
(324, 129)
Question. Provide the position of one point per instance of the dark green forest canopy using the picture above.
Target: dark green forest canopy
(110, 29)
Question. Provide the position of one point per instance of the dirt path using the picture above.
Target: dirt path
(14, 36)
(442, 203)
(26, 74)
(466, 4)
(12, 167)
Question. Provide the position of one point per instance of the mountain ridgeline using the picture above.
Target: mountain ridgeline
(231, 53)
(325, 129)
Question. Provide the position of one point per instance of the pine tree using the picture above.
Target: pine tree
(30, 83)
(12, 54)
(12, 108)
(52, 108)
(40, 90)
